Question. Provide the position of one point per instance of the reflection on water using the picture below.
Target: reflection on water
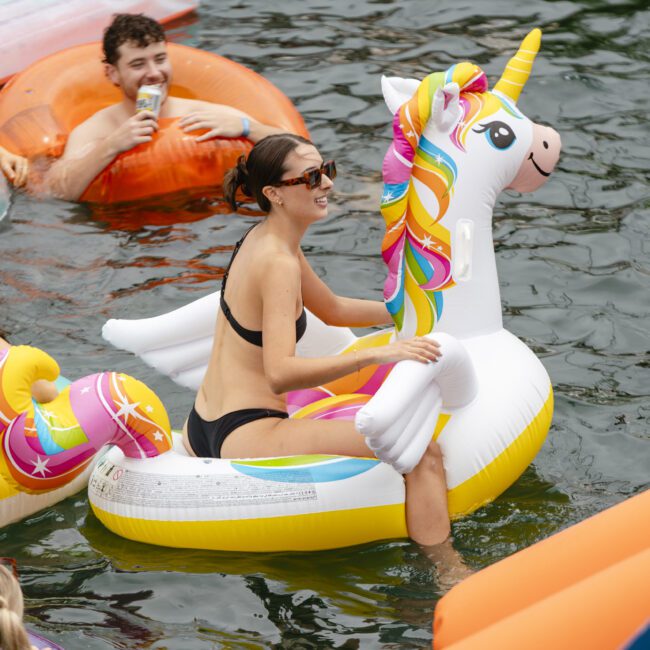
(573, 262)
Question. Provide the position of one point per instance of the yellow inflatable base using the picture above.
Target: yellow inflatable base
(505, 469)
(312, 532)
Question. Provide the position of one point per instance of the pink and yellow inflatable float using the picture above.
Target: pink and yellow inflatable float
(47, 450)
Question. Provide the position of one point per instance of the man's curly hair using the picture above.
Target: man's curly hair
(130, 28)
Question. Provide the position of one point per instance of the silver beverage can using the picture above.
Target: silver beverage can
(149, 99)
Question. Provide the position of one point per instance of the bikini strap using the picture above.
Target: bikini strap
(232, 257)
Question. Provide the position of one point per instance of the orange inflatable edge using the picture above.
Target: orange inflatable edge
(603, 611)
(543, 570)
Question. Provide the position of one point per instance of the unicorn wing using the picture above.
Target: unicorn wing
(396, 91)
(178, 343)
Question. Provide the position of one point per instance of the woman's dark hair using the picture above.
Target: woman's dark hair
(264, 166)
(130, 28)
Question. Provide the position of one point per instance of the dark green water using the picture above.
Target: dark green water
(574, 263)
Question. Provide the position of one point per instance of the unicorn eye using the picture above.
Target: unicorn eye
(498, 134)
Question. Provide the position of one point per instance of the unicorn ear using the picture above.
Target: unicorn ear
(397, 91)
(445, 109)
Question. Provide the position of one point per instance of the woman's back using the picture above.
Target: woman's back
(235, 377)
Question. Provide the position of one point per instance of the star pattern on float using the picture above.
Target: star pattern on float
(40, 465)
(127, 408)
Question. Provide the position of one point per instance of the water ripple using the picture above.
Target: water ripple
(573, 259)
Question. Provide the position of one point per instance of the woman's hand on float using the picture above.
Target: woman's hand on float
(138, 129)
(221, 122)
(15, 167)
(418, 348)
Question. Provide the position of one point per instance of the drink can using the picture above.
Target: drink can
(149, 99)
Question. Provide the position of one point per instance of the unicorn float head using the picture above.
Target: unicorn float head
(456, 147)
(45, 446)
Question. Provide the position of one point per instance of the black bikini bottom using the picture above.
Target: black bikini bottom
(206, 437)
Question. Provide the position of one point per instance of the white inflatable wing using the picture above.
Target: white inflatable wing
(178, 343)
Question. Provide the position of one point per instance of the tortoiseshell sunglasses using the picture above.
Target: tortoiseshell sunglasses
(313, 178)
(10, 563)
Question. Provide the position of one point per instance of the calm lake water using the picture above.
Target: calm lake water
(574, 262)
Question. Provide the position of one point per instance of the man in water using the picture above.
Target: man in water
(135, 54)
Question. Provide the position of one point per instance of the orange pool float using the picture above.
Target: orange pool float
(40, 106)
(585, 587)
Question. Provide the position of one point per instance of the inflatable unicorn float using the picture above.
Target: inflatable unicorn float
(488, 401)
(47, 450)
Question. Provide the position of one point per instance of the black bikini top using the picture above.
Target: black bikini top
(252, 336)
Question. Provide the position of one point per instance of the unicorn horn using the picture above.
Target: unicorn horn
(518, 69)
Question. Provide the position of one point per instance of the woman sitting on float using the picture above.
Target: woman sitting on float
(240, 409)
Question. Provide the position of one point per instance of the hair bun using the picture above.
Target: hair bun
(242, 175)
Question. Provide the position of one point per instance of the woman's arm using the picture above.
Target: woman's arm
(338, 310)
(280, 286)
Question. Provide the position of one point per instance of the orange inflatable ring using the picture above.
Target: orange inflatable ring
(40, 107)
(585, 587)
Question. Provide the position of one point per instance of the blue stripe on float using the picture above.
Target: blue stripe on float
(323, 473)
(44, 436)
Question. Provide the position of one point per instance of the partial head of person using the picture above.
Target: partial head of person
(12, 633)
(135, 54)
(283, 173)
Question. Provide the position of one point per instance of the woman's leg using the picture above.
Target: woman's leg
(427, 517)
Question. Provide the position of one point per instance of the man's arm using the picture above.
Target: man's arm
(15, 167)
(224, 122)
(88, 152)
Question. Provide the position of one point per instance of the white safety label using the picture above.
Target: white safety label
(120, 486)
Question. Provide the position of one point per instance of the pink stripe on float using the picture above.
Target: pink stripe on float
(478, 84)
(24, 458)
(393, 169)
(33, 441)
(376, 380)
(89, 410)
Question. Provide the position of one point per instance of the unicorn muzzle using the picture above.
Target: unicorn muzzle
(540, 160)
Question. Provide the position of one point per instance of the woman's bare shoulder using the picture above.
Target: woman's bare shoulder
(278, 267)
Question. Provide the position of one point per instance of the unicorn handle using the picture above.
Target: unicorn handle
(45, 446)
(402, 417)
